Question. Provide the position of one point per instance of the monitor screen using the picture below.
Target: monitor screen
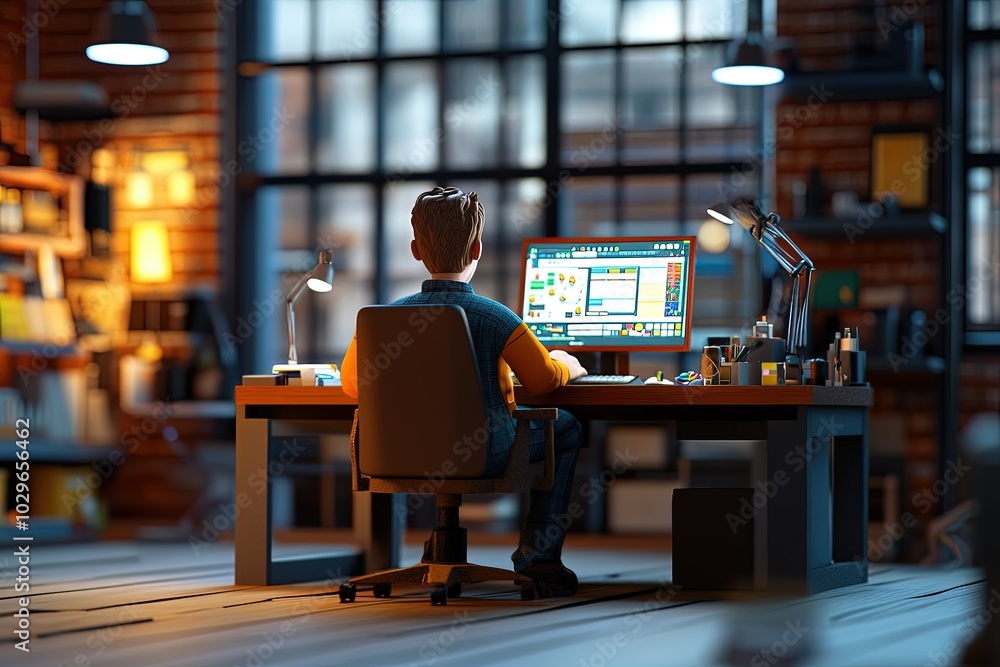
(613, 294)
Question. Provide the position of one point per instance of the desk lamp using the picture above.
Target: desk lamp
(764, 227)
(320, 279)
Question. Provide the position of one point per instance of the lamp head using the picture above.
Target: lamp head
(722, 212)
(125, 34)
(321, 277)
(750, 63)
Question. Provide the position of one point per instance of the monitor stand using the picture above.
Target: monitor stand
(613, 363)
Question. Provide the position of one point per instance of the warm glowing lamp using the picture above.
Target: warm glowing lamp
(151, 253)
(139, 189)
(320, 279)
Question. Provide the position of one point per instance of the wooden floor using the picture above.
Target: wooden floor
(130, 604)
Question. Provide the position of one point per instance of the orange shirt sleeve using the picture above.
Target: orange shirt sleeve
(537, 371)
(349, 369)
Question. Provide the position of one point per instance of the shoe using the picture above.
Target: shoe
(552, 580)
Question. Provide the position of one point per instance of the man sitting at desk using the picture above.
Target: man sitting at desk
(447, 230)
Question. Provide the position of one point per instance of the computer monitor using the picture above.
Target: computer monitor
(624, 294)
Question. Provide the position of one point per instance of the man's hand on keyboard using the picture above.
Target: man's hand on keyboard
(572, 363)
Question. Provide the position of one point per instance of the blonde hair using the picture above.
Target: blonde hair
(446, 225)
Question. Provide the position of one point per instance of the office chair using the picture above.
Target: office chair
(422, 426)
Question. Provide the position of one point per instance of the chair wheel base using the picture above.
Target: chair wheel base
(382, 590)
(348, 592)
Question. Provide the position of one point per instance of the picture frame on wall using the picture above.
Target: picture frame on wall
(901, 164)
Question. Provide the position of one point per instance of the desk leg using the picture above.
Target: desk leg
(253, 524)
(379, 522)
(817, 509)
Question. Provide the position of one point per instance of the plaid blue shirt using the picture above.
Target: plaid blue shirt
(491, 325)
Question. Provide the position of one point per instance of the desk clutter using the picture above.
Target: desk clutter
(761, 360)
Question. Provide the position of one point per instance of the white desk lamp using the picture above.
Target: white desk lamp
(320, 279)
(764, 227)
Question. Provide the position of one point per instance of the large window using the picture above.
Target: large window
(580, 117)
(983, 165)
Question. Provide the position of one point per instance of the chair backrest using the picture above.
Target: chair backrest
(420, 405)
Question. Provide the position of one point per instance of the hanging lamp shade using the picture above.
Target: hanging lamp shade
(750, 63)
(126, 34)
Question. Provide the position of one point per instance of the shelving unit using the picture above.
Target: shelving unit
(853, 86)
(888, 226)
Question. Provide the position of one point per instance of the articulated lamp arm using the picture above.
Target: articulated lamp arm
(764, 228)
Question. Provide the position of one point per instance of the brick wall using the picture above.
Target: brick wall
(835, 136)
(173, 106)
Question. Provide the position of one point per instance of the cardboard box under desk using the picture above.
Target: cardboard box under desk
(641, 506)
(642, 446)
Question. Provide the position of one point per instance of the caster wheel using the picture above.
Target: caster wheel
(528, 591)
(382, 590)
(348, 592)
(439, 595)
(455, 590)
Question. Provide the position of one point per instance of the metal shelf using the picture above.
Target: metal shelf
(42, 450)
(899, 225)
(854, 86)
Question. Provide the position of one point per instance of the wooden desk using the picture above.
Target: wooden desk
(811, 480)
(265, 411)
(811, 533)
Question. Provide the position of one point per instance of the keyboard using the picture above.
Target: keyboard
(604, 379)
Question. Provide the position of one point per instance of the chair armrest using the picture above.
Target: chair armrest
(536, 413)
(520, 453)
(358, 482)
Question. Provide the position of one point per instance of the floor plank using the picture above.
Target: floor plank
(127, 604)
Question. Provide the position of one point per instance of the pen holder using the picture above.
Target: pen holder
(735, 373)
(711, 364)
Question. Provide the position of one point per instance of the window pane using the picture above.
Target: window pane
(722, 119)
(405, 273)
(346, 224)
(412, 132)
(979, 98)
(589, 122)
(472, 112)
(995, 97)
(526, 23)
(716, 19)
(652, 21)
(348, 28)
(590, 22)
(978, 14)
(650, 206)
(282, 223)
(522, 217)
(280, 142)
(346, 139)
(411, 26)
(471, 25)
(524, 112)
(983, 246)
(286, 210)
(651, 107)
(284, 30)
(586, 207)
